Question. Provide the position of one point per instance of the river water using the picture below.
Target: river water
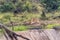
(46, 34)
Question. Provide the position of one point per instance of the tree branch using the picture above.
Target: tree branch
(12, 35)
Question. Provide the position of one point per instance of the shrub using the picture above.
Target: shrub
(50, 26)
(6, 7)
(20, 28)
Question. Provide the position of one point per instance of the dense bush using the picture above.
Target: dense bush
(6, 7)
(50, 5)
(20, 5)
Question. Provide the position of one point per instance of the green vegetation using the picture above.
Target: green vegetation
(50, 26)
(20, 28)
(50, 5)
(14, 13)
(30, 6)
(7, 17)
(19, 4)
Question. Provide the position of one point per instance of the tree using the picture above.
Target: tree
(8, 33)
(6, 7)
(50, 5)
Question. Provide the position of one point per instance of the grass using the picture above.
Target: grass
(17, 28)
(21, 17)
(20, 28)
(25, 16)
(4, 18)
(50, 26)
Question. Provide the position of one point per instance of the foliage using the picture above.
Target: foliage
(20, 28)
(28, 9)
(27, 5)
(6, 7)
(50, 5)
(50, 26)
(21, 5)
(4, 17)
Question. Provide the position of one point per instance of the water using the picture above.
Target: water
(45, 34)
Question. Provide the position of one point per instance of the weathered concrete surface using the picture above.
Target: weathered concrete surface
(46, 34)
